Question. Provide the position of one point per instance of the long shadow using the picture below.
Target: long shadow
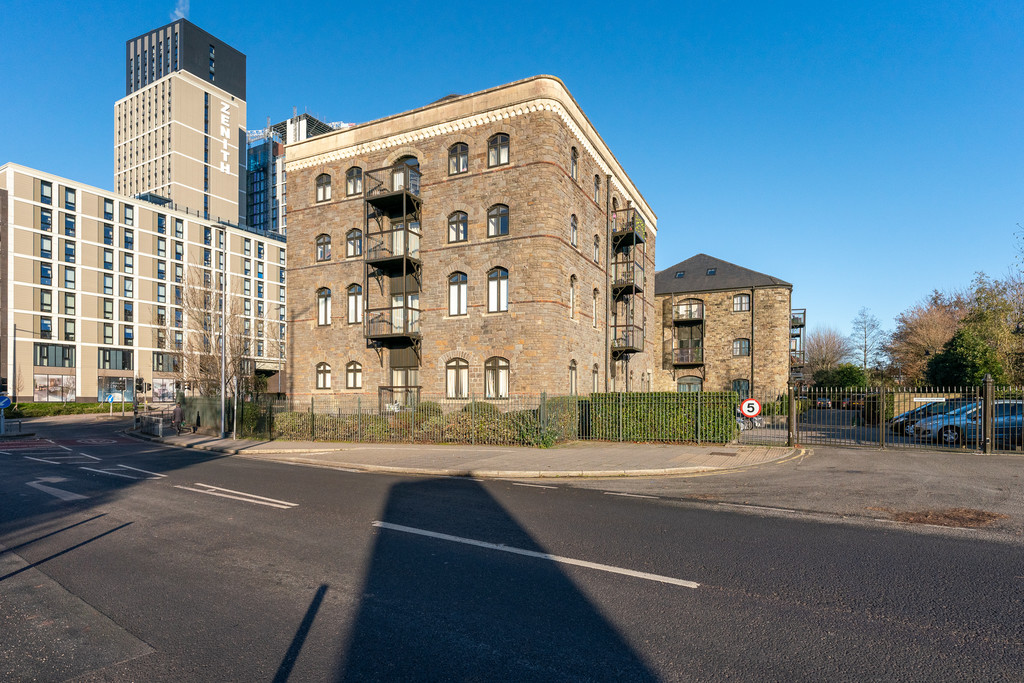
(434, 609)
(284, 670)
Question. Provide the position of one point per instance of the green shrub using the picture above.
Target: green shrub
(481, 409)
(664, 416)
(48, 409)
(428, 409)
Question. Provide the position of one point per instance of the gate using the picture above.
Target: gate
(982, 418)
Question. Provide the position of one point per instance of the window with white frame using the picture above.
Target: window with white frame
(353, 376)
(572, 297)
(456, 378)
(354, 181)
(573, 230)
(354, 243)
(323, 187)
(323, 376)
(458, 158)
(457, 290)
(574, 163)
(458, 227)
(496, 377)
(741, 302)
(497, 150)
(355, 304)
(323, 306)
(497, 220)
(497, 290)
(323, 248)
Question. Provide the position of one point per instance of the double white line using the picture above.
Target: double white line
(239, 495)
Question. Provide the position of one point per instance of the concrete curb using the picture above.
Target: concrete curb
(262, 454)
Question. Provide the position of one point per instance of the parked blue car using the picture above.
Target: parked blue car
(963, 425)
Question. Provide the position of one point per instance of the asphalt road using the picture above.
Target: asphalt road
(178, 565)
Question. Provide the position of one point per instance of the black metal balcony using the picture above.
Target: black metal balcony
(627, 339)
(628, 226)
(392, 323)
(797, 318)
(688, 356)
(389, 248)
(394, 190)
(627, 275)
(688, 313)
(797, 359)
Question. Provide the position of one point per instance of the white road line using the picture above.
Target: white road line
(250, 495)
(543, 556)
(56, 493)
(159, 476)
(89, 456)
(113, 474)
(755, 507)
(534, 486)
(64, 447)
(629, 495)
(248, 498)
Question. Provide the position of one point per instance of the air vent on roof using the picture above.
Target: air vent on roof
(680, 273)
(711, 271)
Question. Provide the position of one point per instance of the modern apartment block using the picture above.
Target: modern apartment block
(724, 327)
(267, 196)
(481, 246)
(98, 288)
(179, 132)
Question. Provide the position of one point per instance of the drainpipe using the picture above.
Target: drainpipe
(607, 274)
(752, 291)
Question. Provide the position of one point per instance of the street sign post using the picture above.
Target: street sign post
(5, 403)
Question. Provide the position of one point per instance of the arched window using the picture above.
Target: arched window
(597, 249)
(354, 242)
(354, 181)
(323, 188)
(597, 189)
(497, 220)
(457, 231)
(456, 378)
(593, 311)
(497, 150)
(323, 306)
(355, 304)
(573, 230)
(353, 376)
(496, 371)
(595, 377)
(458, 158)
(457, 286)
(323, 247)
(741, 302)
(497, 290)
(741, 347)
(323, 376)
(689, 384)
(572, 378)
(574, 163)
(741, 387)
(572, 297)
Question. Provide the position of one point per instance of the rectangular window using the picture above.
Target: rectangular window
(259, 290)
(128, 313)
(45, 192)
(45, 247)
(108, 309)
(128, 287)
(178, 273)
(129, 335)
(129, 215)
(69, 225)
(246, 287)
(259, 269)
(247, 246)
(129, 239)
(53, 356)
(45, 220)
(69, 199)
(108, 235)
(741, 347)
(45, 327)
(161, 247)
(179, 228)
(108, 284)
(69, 278)
(108, 209)
(69, 303)
(108, 259)
(69, 330)
(179, 251)
(116, 359)
(45, 300)
(207, 236)
(129, 263)
(246, 267)
(161, 223)
(259, 250)
(45, 274)
(69, 251)
(108, 334)
(161, 270)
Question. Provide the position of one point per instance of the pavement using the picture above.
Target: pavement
(583, 459)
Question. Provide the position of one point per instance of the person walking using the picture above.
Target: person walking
(176, 417)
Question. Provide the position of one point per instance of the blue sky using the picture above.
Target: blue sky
(867, 152)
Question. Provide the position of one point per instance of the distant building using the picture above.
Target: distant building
(724, 327)
(266, 198)
(179, 131)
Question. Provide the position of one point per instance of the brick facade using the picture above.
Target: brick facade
(536, 334)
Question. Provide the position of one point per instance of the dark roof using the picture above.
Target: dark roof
(695, 277)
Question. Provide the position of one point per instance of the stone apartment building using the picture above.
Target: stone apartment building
(482, 246)
(723, 327)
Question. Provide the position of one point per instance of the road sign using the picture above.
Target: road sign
(110, 398)
(750, 407)
(5, 402)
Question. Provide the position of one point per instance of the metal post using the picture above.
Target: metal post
(881, 416)
(791, 414)
(234, 427)
(14, 353)
(359, 419)
(312, 419)
(988, 419)
(620, 416)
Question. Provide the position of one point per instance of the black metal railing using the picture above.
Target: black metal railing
(798, 317)
(395, 399)
(392, 180)
(627, 338)
(394, 243)
(628, 223)
(393, 321)
(627, 273)
(690, 355)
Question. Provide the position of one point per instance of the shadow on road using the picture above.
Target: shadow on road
(439, 609)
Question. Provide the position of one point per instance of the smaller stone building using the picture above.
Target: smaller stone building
(723, 327)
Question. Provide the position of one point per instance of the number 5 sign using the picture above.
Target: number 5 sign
(750, 407)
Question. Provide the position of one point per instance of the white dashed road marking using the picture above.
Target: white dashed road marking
(628, 495)
(240, 495)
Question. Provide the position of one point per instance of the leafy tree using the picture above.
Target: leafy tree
(921, 331)
(964, 361)
(844, 375)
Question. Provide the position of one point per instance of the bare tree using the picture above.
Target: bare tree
(208, 319)
(867, 338)
(826, 348)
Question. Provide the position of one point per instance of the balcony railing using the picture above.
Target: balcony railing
(798, 317)
(627, 338)
(394, 321)
(396, 399)
(392, 180)
(797, 358)
(394, 244)
(628, 223)
(628, 274)
(690, 355)
(688, 313)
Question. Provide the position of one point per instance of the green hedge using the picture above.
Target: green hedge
(873, 408)
(47, 409)
(665, 416)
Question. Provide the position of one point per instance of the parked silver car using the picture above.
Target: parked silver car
(963, 426)
(904, 422)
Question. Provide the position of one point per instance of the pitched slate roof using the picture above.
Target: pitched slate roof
(695, 277)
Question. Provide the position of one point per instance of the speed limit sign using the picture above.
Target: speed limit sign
(750, 407)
